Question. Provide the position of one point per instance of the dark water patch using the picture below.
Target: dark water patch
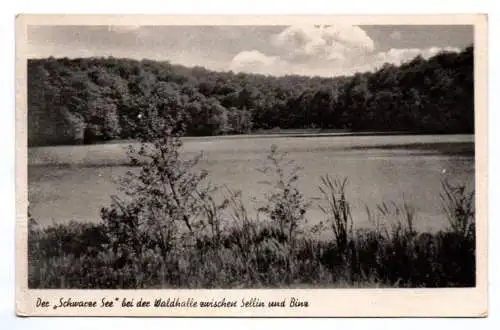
(456, 148)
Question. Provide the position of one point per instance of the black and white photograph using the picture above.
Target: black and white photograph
(267, 156)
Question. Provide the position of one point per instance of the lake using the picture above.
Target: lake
(74, 182)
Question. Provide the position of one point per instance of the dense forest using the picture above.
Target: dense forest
(88, 100)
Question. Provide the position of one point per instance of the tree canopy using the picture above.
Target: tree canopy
(87, 100)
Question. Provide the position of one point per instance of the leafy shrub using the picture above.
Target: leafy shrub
(285, 204)
(164, 201)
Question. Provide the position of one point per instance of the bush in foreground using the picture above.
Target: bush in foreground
(252, 255)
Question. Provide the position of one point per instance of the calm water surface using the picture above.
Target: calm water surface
(73, 183)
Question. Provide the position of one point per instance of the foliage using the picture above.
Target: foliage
(337, 210)
(102, 97)
(458, 204)
(285, 205)
(168, 203)
(254, 255)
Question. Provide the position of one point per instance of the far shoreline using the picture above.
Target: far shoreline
(114, 153)
(281, 133)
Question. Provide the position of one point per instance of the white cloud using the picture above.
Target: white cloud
(309, 50)
(253, 57)
(325, 51)
(334, 42)
(435, 50)
(255, 61)
(397, 55)
(401, 55)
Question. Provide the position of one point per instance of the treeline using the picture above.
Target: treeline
(87, 100)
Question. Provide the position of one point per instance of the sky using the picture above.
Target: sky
(314, 50)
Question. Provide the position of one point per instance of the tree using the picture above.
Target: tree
(164, 200)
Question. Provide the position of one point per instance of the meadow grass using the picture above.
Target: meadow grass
(252, 253)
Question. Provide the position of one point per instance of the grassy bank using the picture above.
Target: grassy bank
(228, 249)
(251, 256)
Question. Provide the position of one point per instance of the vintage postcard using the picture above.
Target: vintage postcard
(251, 166)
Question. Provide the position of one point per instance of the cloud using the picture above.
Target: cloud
(398, 56)
(324, 50)
(332, 42)
(253, 57)
(255, 61)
